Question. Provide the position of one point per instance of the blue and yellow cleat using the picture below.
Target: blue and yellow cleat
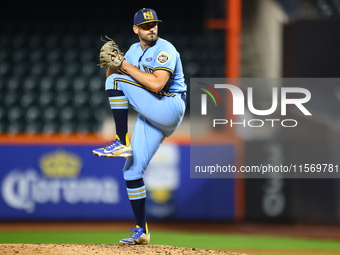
(137, 237)
(114, 149)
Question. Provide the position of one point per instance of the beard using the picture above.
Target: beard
(149, 38)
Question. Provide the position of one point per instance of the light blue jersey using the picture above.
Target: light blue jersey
(161, 56)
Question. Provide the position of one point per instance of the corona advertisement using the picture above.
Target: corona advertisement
(61, 182)
(66, 182)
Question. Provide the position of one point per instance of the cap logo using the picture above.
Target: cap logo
(148, 15)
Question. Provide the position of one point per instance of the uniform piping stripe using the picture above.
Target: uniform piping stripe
(137, 193)
(119, 106)
(142, 195)
(123, 71)
(118, 98)
(113, 105)
(163, 68)
(119, 102)
(137, 197)
(136, 190)
(115, 85)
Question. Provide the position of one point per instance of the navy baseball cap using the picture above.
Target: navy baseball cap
(145, 15)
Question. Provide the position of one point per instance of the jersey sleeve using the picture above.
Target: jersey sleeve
(165, 58)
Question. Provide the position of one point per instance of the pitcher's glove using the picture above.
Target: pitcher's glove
(106, 59)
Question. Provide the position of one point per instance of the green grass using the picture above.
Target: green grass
(181, 239)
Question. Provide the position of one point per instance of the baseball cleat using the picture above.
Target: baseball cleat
(114, 149)
(137, 237)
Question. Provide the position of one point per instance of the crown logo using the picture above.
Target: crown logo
(60, 164)
(160, 196)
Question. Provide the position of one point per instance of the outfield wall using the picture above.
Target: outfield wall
(60, 179)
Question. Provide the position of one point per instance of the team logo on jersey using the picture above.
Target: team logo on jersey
(163, 57)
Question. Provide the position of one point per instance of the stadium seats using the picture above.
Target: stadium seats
(49, 81)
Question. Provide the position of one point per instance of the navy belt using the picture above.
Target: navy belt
(184, 98)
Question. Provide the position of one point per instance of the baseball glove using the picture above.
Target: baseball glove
(106, 59)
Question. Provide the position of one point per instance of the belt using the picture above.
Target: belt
(184, 98)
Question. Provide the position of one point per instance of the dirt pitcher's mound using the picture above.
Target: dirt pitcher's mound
(103, 249)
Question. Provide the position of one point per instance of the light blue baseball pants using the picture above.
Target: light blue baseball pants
(158, 117)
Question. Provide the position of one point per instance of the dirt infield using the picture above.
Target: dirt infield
(104, 249)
